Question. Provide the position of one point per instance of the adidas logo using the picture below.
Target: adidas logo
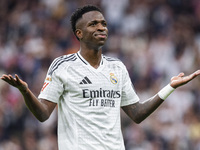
(85, 81)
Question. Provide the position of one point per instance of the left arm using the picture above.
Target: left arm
(139, 111)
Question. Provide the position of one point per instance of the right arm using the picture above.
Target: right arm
(40, 108)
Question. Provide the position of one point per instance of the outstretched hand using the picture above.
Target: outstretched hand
(16, 82)
(180, 80)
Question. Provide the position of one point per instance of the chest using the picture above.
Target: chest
(83, 82)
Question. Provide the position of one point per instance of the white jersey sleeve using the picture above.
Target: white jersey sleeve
(129, 95)
(53, 87)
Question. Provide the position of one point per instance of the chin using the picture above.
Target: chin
(99, 46)
(102, 42)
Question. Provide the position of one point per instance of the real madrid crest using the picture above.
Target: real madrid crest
(113, 78)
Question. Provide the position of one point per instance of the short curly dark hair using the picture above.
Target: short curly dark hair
(79, 13)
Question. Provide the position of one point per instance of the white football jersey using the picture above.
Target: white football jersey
(89, 101)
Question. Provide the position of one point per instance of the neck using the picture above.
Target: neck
(92, 56)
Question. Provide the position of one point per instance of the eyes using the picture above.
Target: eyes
(95, 23)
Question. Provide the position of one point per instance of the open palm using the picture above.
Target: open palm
(180, 80)
(16, 82)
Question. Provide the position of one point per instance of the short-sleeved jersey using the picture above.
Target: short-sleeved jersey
(89, 101)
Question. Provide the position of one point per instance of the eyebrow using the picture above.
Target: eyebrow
(97, 21)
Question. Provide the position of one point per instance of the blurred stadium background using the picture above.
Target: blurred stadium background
(156, 39)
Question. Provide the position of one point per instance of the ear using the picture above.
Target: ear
(79, 33)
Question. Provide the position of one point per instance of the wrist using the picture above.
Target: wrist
(165, 92)
(24, 90)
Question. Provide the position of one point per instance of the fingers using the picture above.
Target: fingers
(197, 72)
(189, 77)
(9, 79)
(2, 77)
(17, 78)
(12, 79)
(180, 80)
(181, 74)
(178, 76)
(16, 82)
(5, 77)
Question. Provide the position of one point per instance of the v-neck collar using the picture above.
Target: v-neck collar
(88, 64)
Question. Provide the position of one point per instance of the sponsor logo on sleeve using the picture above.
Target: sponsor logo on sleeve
(46, 83)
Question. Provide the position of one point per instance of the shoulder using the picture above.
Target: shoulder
(114, 62)
(65, 58)
(61, 62)
(111, 59)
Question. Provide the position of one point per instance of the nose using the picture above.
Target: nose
(101, 27)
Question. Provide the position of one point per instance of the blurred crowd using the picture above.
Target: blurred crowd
(156, 40)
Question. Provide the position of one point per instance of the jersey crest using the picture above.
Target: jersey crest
(113, 78)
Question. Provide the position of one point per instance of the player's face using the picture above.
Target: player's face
(92, 29)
